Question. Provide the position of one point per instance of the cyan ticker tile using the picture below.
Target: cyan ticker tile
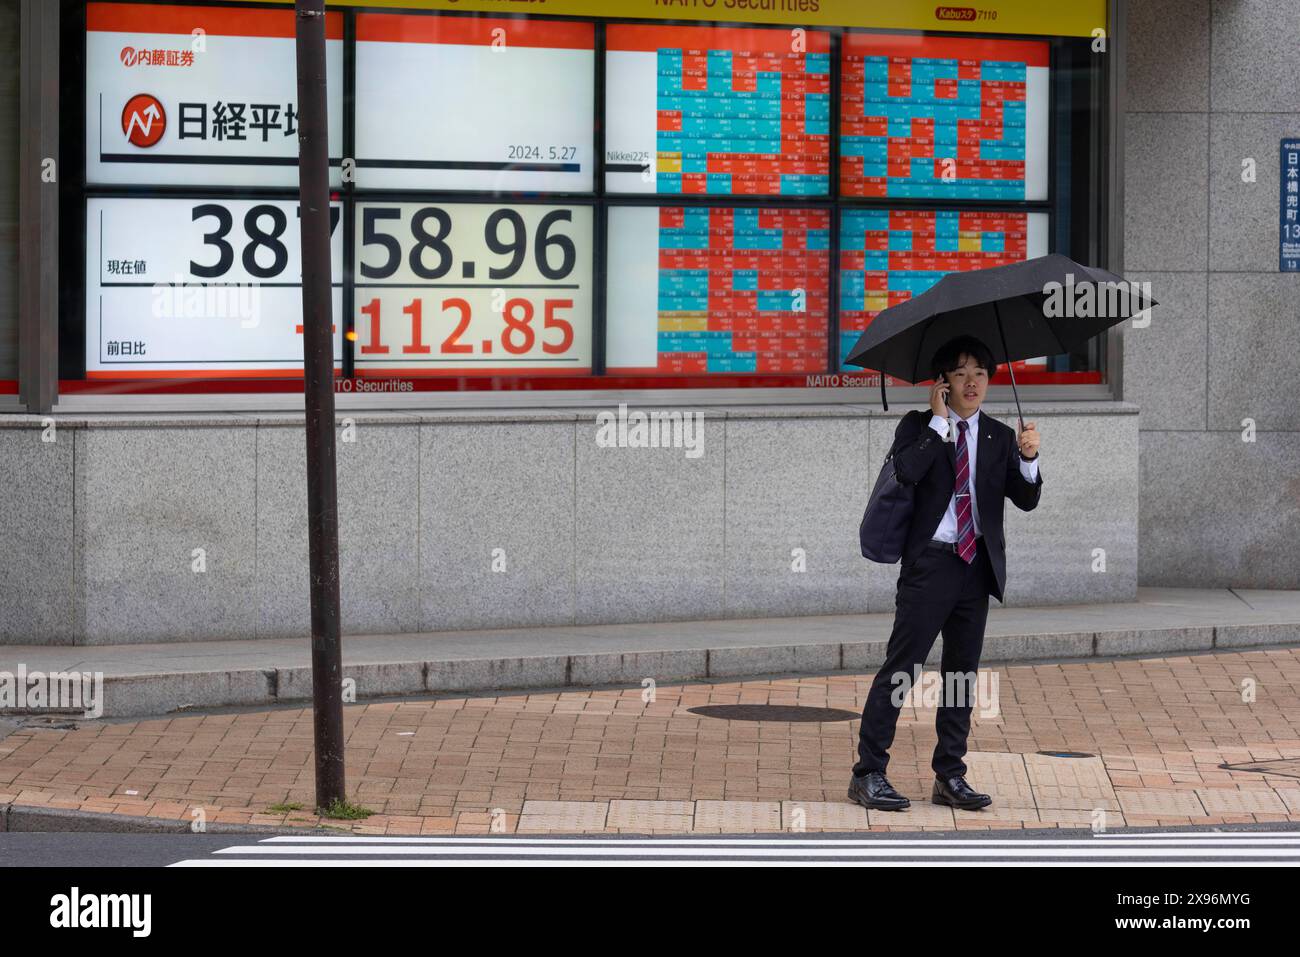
(378, 474)
(649, 528)
(496, 525)
(1253, 357)
(37, 604)
(1157, 80)
(1253, 58)
(148, 500)
(1244, 215)
(1171, 345)
(1219, 512)
(1165, 172)
(795, 492)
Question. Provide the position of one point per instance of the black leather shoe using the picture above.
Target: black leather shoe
(874, 792)
(955, 792)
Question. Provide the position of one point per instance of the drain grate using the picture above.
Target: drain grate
(1066, 754)
(1286, 767)
(772, 712)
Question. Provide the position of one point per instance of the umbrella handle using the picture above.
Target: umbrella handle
(997, 314)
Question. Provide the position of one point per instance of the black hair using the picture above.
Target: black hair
(948, 357)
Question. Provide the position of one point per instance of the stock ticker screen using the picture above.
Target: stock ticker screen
(715, 110)
(719, 289)
(502, 280)
(943, 118)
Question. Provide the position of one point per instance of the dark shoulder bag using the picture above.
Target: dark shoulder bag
(884, 527)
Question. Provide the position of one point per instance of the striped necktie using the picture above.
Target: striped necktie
(965, 518)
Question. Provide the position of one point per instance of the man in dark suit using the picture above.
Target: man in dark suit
(963, 463)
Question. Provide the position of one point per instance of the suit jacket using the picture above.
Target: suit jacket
(922, 458)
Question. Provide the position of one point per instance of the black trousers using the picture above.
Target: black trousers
(938, 592)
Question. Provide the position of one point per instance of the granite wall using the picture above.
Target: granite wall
(1212, 90)
(490, 520)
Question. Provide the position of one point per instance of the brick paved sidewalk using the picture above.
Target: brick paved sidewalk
(605, 761)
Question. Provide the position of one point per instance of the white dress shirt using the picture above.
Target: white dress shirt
(947, 530)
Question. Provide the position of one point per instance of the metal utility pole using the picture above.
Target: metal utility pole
(318, 374)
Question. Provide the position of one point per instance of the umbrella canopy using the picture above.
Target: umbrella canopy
(1007, 308)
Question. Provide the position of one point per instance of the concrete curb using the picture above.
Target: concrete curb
(15, 818)
(18, 818)
(135, 696)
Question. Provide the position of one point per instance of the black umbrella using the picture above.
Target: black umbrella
(1005, 308)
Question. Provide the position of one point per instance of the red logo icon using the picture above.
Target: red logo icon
(143, 120)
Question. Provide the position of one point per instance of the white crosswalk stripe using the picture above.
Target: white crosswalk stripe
(1188, 848)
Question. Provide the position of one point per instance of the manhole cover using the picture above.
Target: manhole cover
(772, 712)
(1287, 767)
(1066, 754)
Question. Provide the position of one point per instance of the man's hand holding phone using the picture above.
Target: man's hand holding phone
(939, 397)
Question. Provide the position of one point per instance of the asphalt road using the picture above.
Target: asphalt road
(1222, 845)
